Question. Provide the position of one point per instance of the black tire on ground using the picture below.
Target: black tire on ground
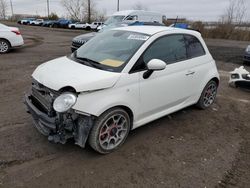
(101, 124)
(4, 46)
(88, 28)
(73, 27)
(208, 95)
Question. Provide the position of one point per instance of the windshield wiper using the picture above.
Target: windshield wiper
(88, 61)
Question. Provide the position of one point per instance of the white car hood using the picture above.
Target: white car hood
(63, 72)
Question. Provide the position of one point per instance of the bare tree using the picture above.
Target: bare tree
(3, 9)
(235, 13)
(82, 10)
(74, 8)
(139, 6)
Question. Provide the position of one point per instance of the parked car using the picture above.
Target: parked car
(10, 37)
(77, 25)
(180, 25)
(246, 57)
(26, 21)
(61, 23)
(118, 81)
(134, 15)
(82, 39)
(93, 26)
(48, 23)
(240, 77)
(37, 22)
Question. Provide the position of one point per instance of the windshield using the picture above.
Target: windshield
(110, 50)
(114, 19)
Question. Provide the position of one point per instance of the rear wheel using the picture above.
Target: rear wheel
(4, 46)
(110, 131)
(208, 95)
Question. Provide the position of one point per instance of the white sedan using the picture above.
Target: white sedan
(118, 81)
(10, 37)
(77, 25)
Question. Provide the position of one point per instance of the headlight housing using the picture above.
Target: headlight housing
(64, 102)
(235, 76)
(248, 49)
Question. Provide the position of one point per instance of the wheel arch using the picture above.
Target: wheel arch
(216, 80)
(127, 109)
(6, 41)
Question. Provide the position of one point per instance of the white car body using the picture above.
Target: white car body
(26, 20)
(240, 77)
(147, 99)
(78, 25)
(93, 25)
(37, 22)
(136, 15)
(12, 35)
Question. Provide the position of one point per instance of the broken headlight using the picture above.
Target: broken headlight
(235, 76)
(64, 102)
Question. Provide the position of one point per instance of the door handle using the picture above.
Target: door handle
(190, 73)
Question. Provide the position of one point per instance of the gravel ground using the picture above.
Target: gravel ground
(190, 148)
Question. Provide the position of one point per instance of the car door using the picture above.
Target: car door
(170, 89)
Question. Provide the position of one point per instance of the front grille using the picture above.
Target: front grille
(247, 57)
(43, 97)
(78, 43)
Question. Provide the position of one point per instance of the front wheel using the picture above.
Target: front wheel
(110, 131)
(4, 46)
(208, 95)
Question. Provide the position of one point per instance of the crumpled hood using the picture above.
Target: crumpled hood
(63, 72)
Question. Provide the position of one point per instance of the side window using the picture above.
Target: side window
(170, 49)
(134, 17)
(194, 47)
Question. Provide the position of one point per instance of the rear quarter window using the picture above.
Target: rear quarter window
(194, 46)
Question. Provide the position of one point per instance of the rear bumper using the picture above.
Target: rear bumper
(17, 41)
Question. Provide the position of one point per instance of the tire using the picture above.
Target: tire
(110, 131)
(88, 28)
(4, 46)
(208, 95)
(73, 27)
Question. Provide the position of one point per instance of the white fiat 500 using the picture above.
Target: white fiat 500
(119, 81)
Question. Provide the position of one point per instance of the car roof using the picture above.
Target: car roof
(151, 30)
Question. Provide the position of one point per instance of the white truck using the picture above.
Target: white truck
(134, 15)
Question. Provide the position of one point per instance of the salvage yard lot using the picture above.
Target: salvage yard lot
(190, 148)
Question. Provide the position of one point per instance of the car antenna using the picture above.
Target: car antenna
(176, 20)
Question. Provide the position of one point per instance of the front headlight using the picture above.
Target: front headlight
(64, 102)
(235, 76)
(248, 49)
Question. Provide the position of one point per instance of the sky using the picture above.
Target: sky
(204, 10)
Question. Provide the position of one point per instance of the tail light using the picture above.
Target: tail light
(16, 32)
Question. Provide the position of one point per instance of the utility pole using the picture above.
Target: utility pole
(12, 12)
(118, 5)
(89, 12)
(48, 8)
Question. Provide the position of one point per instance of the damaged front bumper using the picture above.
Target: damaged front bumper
(59, 127)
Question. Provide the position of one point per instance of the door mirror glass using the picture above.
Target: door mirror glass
(156, 65)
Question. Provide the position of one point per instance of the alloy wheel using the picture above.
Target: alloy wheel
(113, 131)
(210, 94)
(4, 47)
